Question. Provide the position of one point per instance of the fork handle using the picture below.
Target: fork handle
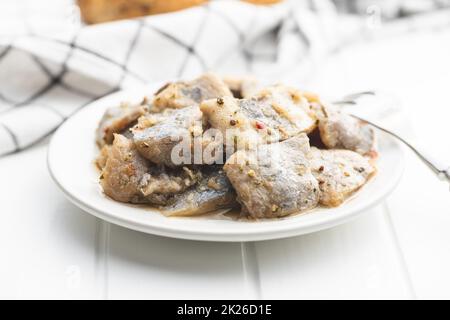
(442, 171)
(446, 175)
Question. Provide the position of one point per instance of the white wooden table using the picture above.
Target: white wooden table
(401, 249)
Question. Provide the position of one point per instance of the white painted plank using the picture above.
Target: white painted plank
(421, 204)
(142, 266)
(47, 244)
(357, 260)
(421, 214)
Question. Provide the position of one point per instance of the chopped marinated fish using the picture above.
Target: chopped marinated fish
(340, 173)
(275, 180)
(161, 184)
(187, 93)
(284, 109)
(213, 192)
(180, 128)
(342, 131)
(166, 153)
(123, 171)
(128, 177)
(118, 120)
(274, 114)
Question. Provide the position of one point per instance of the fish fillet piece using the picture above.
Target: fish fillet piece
(172, 140)
(342, 131)
(339, 173)
(123, 171)
(275, 114)
(243, 87)
(213, 192)
(117, 120)
(290, 105)
(225, 115)
(161, 184)
(102, 157)
(275, 180)
(128, 177)
(187, 93)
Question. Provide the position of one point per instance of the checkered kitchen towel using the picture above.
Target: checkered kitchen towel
(49, 69)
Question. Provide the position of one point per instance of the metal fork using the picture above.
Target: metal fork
(438, 167)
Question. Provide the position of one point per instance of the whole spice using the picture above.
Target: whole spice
(259, 125)
(360, 170)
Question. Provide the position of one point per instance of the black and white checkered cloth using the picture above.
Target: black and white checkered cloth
(47, 76)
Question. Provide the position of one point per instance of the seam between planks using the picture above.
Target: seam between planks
(102, 257)
(398, 249)
(251, 270)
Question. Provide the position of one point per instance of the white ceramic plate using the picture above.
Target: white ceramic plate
(70, 160)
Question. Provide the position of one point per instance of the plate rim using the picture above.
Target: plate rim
(297, 227)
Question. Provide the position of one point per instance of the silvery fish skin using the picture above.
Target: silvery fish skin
(128, 177)
(213, 192)
(157, 141)
(275, 180)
